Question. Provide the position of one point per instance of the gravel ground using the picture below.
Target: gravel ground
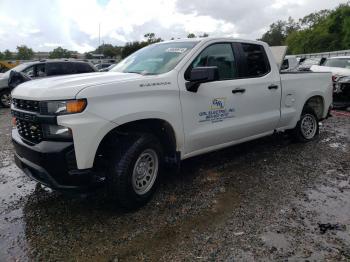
(269, 199)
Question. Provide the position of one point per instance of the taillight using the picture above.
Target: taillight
(334, 78)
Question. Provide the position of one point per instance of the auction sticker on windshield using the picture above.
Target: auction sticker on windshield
(175, 50)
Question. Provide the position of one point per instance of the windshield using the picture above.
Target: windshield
(338, 62)
(18, 68)
(154, 59)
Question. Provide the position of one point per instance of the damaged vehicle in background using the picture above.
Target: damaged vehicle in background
(340, 69)
(41, 69)
(338, 66)
(341, 93)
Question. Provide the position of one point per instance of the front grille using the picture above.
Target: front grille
(27, 105)
(29, 130)
(345, 88)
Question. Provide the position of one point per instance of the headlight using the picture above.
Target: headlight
(66, 107)
(56, 131)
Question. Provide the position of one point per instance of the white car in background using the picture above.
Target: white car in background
(338, 66)
(340, 69)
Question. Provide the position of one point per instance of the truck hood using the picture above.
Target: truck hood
(334, 70)
(279, 53)
(67, 87)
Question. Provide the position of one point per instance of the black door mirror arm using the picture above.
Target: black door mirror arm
(193, 86)
(201, 75)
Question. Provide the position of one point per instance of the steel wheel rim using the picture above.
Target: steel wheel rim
(145, 171)
(308, 126)
(6, 99)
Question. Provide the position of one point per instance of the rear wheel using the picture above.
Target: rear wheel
(5, 98)
(307, 128)
(134, 167)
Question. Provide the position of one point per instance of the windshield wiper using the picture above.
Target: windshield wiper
(133, 72)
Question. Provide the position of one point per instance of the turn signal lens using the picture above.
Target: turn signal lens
(14, 124)
(76, 106)
(66, 106)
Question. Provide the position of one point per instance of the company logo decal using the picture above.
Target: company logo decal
(217, 111)
(218, 103)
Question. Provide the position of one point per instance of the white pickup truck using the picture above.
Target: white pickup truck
(165, 103)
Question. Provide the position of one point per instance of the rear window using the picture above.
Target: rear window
(257, 63)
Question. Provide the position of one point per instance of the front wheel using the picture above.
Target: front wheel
(134, 166)
(307, 128)
(5, 98)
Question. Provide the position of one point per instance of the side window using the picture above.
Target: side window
(256, 60)
(54, 69)
(220, 55)
(83, 68)
(29, 71)
(60, 68)
(69, 68)
(40, 70)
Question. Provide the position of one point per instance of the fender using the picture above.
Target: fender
(300, 109)
(175, 124)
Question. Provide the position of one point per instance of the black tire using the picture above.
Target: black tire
(122, 159)
(4, 101)
(298, 134)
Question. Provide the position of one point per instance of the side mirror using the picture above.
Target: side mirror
(201, 75)
(17, 78)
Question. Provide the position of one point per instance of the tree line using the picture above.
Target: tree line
(326, 30)
(107, 50)
(323, 31)
(23, 53)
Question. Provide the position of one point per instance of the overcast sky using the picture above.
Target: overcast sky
(73, 24)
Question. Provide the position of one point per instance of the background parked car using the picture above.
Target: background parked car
(308, 62)
(103, 66)
(108, 68)
(341, 94)
(40, 69)
(339, 66)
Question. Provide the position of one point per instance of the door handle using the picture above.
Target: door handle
(273, 87)
(238, 90)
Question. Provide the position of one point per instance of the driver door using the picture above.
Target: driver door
(244, 103)
(209, 114)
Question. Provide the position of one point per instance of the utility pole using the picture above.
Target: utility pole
(99, 39)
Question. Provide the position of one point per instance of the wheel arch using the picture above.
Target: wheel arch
(160, 128)
(316, 102)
